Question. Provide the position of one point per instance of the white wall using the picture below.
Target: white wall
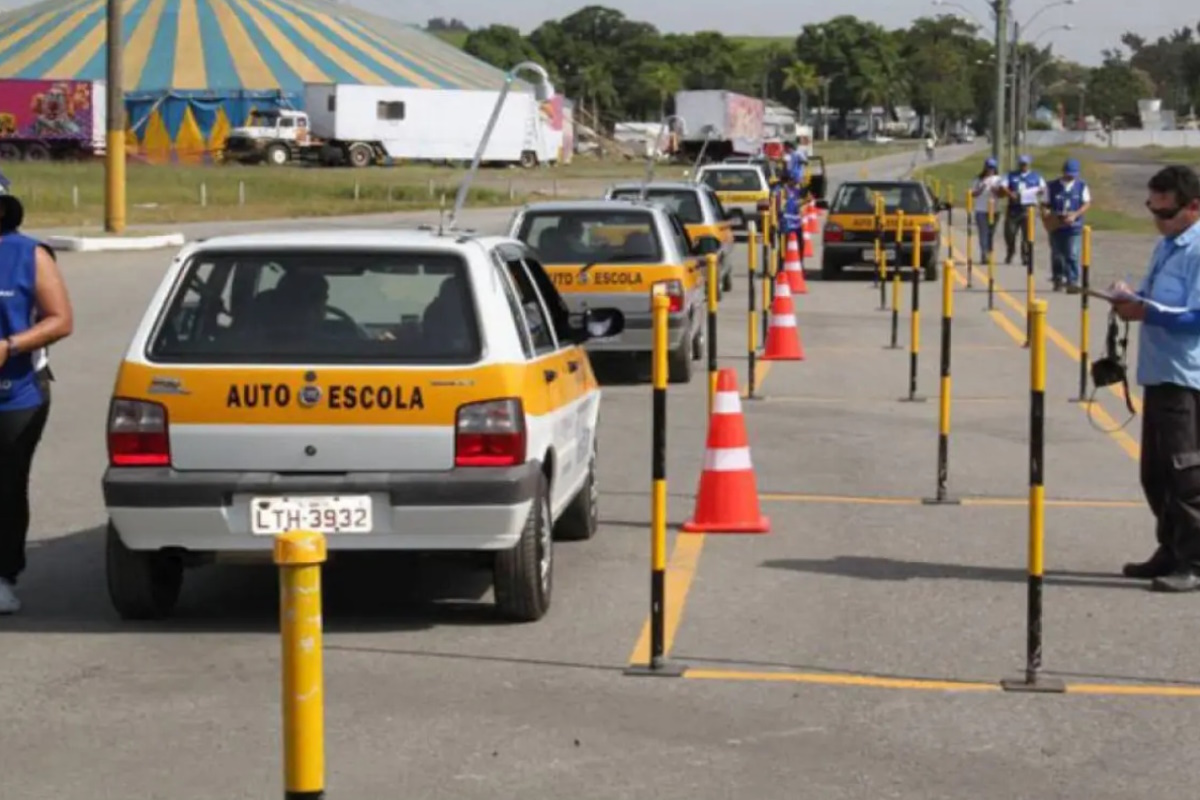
(1127, 139)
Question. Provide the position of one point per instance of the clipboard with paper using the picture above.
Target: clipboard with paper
(1127, 296)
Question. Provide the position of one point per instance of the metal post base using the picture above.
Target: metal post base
(663, 669)
(914, 399)
(1038, 685)
(941, 501)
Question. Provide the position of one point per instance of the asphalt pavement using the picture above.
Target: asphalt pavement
(852, 652)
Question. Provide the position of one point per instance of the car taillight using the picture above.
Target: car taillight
(764, 205)
(833, 232)
(490, 434)
(137, 434)
(674, 291)
(928, 233)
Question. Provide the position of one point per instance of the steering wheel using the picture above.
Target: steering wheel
(346, 320)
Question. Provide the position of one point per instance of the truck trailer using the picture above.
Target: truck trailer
(360, 125)
(732, 124)
(43, 120)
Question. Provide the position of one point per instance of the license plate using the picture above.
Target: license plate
(869, 255)
(270, 516)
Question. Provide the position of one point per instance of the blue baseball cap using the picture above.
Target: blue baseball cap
(1025, 160)
(990, 163)
(1071, 167)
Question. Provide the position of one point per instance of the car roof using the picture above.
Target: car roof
(729, 167)
(680, 185)
(883, 183)
(423, 238)
(591, 205)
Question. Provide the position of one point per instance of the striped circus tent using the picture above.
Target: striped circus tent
(195, 68)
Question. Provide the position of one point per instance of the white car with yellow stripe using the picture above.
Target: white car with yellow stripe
(743, 190)
(395, 390)
(611, 254)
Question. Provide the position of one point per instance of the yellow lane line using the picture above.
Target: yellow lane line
(783, 497)
(681, 569)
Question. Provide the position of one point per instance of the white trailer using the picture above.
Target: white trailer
(431, 124)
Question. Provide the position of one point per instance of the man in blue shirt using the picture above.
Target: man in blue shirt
(793, 164)
(1168, 306)
(1025, 188)
(1069, 200)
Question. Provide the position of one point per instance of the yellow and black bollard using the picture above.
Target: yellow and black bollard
(1033, 682)
(658, 664)
(1029, 294)
(769, 267)
(752, 318)
(943, 453)
(713, 281)
(970, 239)
(880, 255)
(895, 344)
(299, 555)
(914, 352)
(1085, 269)
(950, 219)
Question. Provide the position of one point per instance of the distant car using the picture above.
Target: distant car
(849, 235)
(613, 253)
(744, 189)
(698, 207)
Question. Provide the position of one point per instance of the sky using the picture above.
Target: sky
(1098, 24)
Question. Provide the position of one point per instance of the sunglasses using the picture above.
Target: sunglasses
(1165, 214)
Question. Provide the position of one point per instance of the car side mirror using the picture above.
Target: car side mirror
(822, 204)
(597, 323)
(707, 245)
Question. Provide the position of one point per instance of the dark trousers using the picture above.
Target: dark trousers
(1014, 230)
(20, 432)
(1170, 468)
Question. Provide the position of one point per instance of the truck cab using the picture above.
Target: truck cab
(274, 136)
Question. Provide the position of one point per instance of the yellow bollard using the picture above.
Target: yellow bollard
(950, 220)
(1030, 230)
(914, 352)
(752, 316)
(1085, 268)
(713, 279)
(991, 262)
(970, 243)
(299, 555)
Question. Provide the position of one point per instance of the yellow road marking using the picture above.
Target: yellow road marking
(681, 569)
(928, 684)
(761, 368)
(778, 497)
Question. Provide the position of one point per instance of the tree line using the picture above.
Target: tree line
(943, 67)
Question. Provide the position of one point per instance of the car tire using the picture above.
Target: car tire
(141, 585)
(523, 576)
(679, 363)
(830, 270)
(582, 517)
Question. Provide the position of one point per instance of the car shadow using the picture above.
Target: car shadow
(64, 591)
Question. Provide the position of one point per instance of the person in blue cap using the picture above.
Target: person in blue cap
(792, 219)
(793, 163)
(989, 184)
(1025, 189)
(1069, 199)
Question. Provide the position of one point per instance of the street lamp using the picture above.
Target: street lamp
(666, 124)
(1027, 93)
(1015, 82)
(709, 132)
(1047, 7)
(542, 91)
(964, 9)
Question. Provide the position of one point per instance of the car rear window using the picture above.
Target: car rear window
(592, 236)
(859, 198)
(682, 201)
(734, 180)
(305, 306)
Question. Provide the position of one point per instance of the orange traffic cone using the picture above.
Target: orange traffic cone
(791, 266)
(783, 336)
(810, 228)
(727, 501)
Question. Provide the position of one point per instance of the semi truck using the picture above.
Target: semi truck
(731, 123)
(43, 120)
(361, 125)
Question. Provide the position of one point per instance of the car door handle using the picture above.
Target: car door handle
(551, 375)
(573, 366)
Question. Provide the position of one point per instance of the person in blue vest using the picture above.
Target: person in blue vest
(1068, 199)
(793, 163)
(792, 218)
(1025, 189)
(35, 312)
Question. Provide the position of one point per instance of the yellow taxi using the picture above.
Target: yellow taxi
(849, 234)
(698, 207)
(395, 390)
(743, 189)
(612, 253)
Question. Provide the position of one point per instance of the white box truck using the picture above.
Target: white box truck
(736, 122)
(361, 125)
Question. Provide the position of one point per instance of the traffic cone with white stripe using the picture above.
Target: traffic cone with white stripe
(792, 267)
(783, 335)
(810, 228)
(727, 501)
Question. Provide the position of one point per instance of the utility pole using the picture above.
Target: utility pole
(114, 168)
(1016, 94)
(1000, 10)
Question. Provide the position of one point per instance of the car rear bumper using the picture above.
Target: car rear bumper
(850, 253)
(638, 335)
(209, 512)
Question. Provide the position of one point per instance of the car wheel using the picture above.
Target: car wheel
(679, 363)
(830, 269)
(581, 519)
(141, 585)
(523, 576)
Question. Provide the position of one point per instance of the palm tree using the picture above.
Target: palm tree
(802, 78)
(664, 79)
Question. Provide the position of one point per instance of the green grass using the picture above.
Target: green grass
(1173, 155)
(1106, 213)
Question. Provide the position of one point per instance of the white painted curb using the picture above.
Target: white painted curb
(115, 243)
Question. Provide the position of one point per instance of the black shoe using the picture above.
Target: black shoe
(1159, 565)
(1183, 580)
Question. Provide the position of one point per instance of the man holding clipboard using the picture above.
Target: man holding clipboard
(1024, 188)
(1167, 303)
